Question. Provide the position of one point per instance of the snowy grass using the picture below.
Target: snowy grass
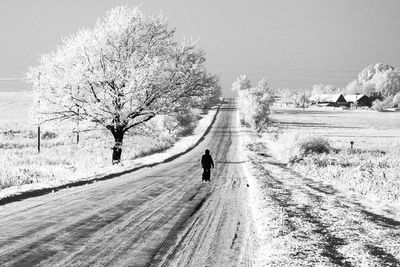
(61, 160)
(15, 108)
(302, 216)
(371, 168)
(267, 219)
(371, 172)
(306, 222)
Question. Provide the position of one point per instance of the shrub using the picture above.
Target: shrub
(381, 105)
(244, 123)
(315, 145)
(187, 122)
(378, 105)
(31, 134)
(49, 135)
(308, 146)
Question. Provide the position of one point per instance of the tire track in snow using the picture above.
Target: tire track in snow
(137, 226)
(325, 225)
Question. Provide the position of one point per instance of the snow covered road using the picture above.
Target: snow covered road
(156, 216)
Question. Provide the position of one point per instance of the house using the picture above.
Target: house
(330, 100)
(358, 100)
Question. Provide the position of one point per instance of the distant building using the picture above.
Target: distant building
(284, 102)
(358, 100)
(329, 100)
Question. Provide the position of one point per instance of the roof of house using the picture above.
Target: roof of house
(326, 97)
(354, 98)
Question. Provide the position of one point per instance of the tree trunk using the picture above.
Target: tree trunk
(117, 149)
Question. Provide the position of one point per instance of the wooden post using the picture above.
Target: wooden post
(38, 140)
(77, 123)
(77, 129)
(38, 126)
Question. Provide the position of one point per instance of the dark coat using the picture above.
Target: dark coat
(207, 162)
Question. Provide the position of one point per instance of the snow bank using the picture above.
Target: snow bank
(255, 199)
(182, 146)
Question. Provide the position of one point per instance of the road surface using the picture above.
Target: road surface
(158, 216)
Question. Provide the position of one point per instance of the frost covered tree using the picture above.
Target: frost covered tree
(261, 111)
(371, 71)
(302, 97)
(389, 83)
(264, 97)
(324, 89)
(254, 105)
(262, 89)
(121, 74)
(285, 92)
(377, 81)
(353, 88)
(242, 83)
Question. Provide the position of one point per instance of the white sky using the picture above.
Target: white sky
(292, 43)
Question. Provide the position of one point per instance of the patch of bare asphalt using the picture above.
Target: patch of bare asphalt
(318, 224)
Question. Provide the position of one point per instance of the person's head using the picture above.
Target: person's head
(207, 152)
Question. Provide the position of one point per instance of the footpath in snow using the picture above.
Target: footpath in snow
(258, 231)
(183, 145)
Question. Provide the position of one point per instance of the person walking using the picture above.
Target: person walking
(207, 162)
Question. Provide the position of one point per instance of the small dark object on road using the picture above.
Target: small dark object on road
(207, 162)
(247, 185)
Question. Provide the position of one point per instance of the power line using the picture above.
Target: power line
(288, 75)
(284, 69)
(10, 79)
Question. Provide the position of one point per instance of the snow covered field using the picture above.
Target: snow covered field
(62, 161)
(306, 216)
(14, 109)
(371, 168)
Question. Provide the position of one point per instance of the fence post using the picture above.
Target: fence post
(77, 123)
(77, 129)
(38, 136)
